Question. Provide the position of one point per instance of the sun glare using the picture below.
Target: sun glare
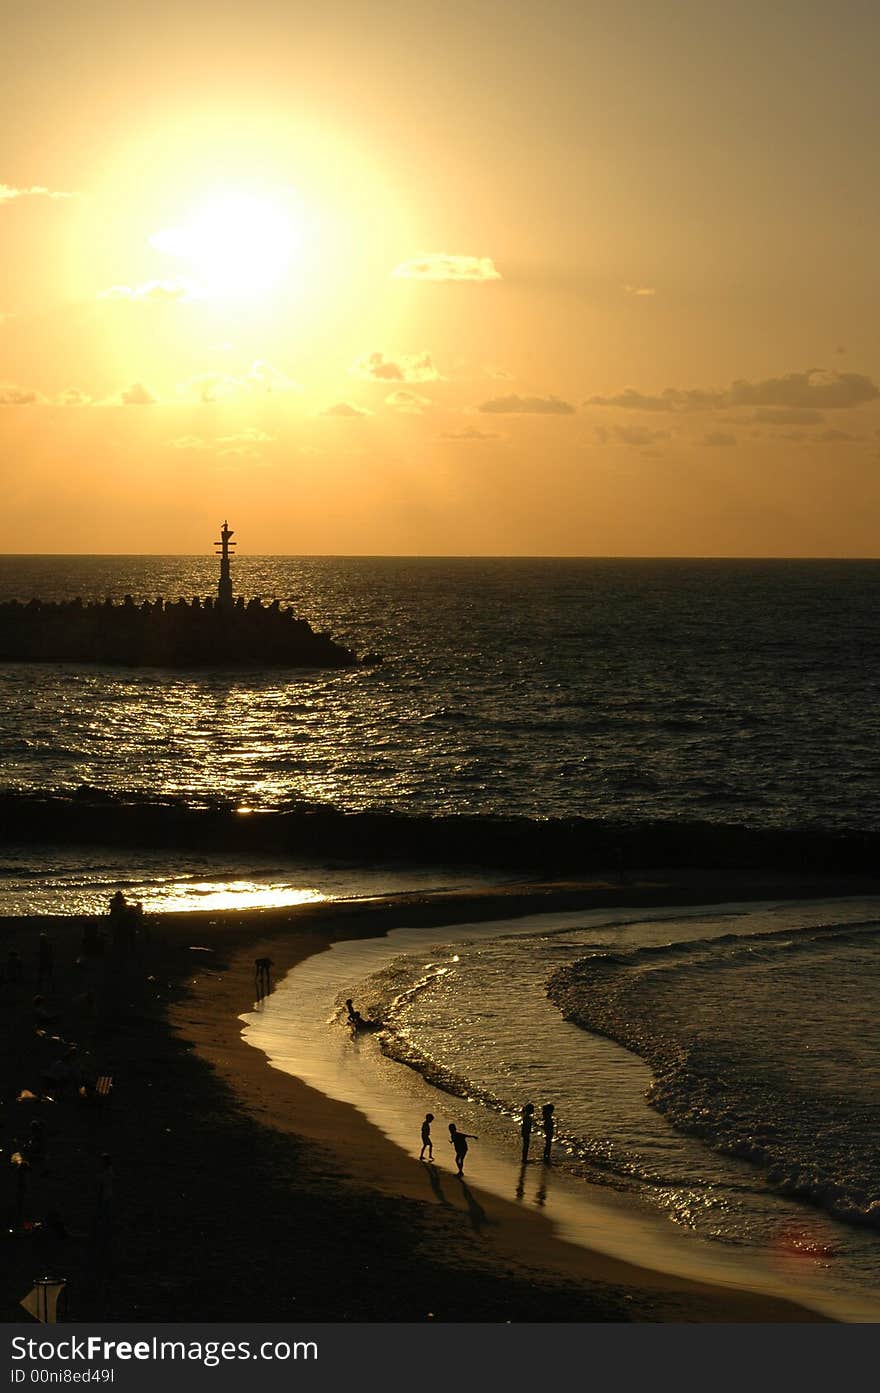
(239, 245)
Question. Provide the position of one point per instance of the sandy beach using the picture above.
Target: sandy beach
(234, 1191)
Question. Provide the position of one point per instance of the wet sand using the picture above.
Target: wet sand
(239, 1193)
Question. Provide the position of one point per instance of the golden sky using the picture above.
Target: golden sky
(496, 278)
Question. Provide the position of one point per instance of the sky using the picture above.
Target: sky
(492, 279)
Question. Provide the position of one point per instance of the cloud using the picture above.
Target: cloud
(190, 442)
(8, 193)
(639, 435)
(375, 367)
(788, 416)
(240, 442)
(640, 290)
(151, 290)
(410, 403)
(261, 379)
(532, 406)
(631, 400)
(74, 397)
(833, 435)
(470, 433)
(816, 389)
(13, 395)
(210, 387)
(440, 266)
(345, 408)
(265, 377)
(137, 395)
(825, 437)
(719, 437)
(671, 399)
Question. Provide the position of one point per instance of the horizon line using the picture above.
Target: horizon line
(448, 556)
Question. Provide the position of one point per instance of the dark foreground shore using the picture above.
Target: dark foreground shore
(233, 1191)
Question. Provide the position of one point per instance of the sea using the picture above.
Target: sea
(718, 1067)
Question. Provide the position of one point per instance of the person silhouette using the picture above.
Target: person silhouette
(426, 1137)
(525, 1128)
(549, 1126)
(119, 920)
(262, 977)
(460, 1141)
(355, 1019)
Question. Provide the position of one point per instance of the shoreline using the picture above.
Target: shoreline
(246, 1194)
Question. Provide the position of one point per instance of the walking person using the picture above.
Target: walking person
(460, 1141)
(262, 977)
(426, 1137)
(525, 1128)
(549, 1127)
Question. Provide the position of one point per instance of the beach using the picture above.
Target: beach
(238, 1192)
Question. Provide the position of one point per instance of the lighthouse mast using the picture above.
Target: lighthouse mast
(224, 588)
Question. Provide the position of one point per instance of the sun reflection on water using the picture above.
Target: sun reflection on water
(216, 895)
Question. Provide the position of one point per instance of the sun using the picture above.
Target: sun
(235, 244)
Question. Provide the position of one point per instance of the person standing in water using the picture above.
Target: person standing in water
(460, 1141)
(525, 1128)
(549, 1126)
(426, 1137)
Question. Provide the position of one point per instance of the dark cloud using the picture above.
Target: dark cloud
(375, 367)
(815, 390)
(788, 416)
(631, 400)
(531, 406)
(410, 403)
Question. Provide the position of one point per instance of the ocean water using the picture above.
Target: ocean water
(40, 878)
(728, 1087)
(719, 1070)
(714, 690)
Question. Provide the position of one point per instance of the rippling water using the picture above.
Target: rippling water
(726, 691)
(638, 691)
(749, 1081)
(47, 879)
